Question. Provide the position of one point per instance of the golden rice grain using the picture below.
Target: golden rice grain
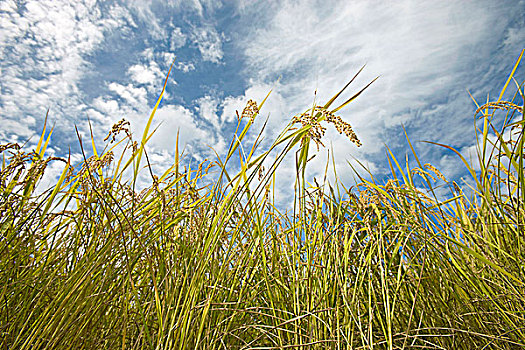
(317, 131)
(250, 111)
(435, 171)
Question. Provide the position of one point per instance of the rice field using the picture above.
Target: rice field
(203, 258)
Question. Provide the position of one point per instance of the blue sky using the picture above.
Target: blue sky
(106, 60)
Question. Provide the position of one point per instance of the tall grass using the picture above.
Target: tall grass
(204, 259)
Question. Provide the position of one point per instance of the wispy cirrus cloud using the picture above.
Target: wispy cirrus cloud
(427, 54)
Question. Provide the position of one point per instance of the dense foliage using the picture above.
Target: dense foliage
(204, 259)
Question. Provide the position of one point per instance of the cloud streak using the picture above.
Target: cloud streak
(427, 54)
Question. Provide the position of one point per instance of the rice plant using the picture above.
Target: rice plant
(203, 258)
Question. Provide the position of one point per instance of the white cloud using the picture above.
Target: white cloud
(173, 118)
(423, 51)
(185, 66)
(170, 57)
(207, 108)
(275, 106)
(135, 97)
(142, 9)
(515, 36)
(43, 47)
(106, 106)
(24, 129)
(142, 74)
(177, 39)
(197, 6)
(209, 43)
